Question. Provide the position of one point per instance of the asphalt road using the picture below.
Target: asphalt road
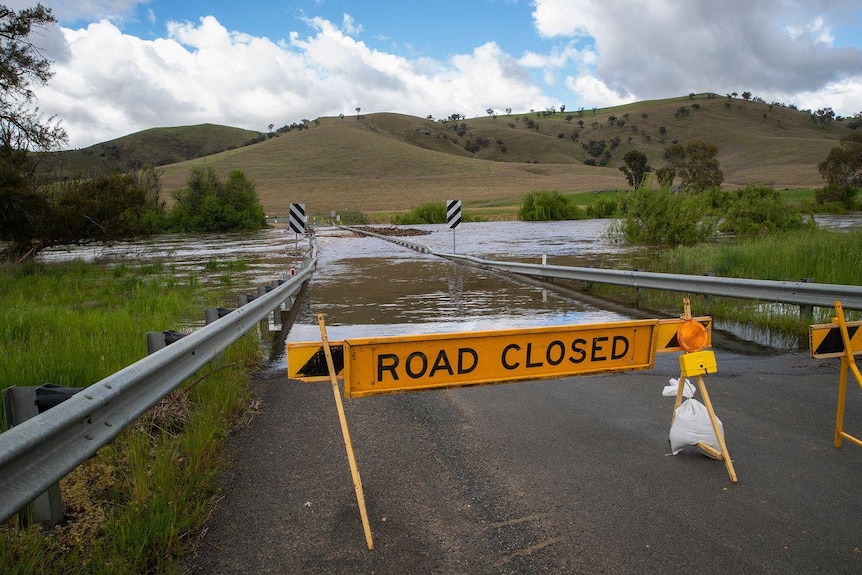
(562, 476)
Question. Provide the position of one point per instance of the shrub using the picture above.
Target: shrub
(430, 213)
(757, 211)
(844, 196)
(660, 217)
(544, 205)
(603, 208)
(210, 204)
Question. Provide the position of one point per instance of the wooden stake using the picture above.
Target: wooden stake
(345, 432)
(725, 456)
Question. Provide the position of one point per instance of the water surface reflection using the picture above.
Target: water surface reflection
(369, 287)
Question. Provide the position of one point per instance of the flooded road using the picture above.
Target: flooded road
(368, 287)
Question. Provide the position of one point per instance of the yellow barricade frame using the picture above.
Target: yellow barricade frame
(848, 365)
(662, 336)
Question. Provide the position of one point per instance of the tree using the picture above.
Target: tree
(823, 116)
(696, 164)
(843, 165)
(22, 68)
(210, 204)
(22, 128)
(636, 167)
(104, 208)
(665, 176)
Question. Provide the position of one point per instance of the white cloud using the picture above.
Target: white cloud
(349, 26)
(599, 52)
(593, 92)
(817, 31)
(111, 83)
(655, 48)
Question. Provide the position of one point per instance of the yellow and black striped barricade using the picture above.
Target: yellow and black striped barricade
(839, 339)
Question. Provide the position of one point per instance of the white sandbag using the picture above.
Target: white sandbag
(670, 390)
(691, 425)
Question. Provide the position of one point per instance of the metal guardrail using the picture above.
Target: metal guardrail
(795, 293)
(42, 450)
(799, 293)
(421, 248)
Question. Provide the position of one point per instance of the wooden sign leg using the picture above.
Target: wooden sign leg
(345, 432)
(724, 455)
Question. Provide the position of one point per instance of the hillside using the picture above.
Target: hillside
(156, 146)
(385, 162)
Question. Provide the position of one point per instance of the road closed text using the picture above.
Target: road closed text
(388, 365)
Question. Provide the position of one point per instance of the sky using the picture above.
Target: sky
(121, 66)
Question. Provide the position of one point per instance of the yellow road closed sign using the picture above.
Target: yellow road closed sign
(395, 364)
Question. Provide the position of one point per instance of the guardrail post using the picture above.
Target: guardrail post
(21, 404)
(806, 311)
(243, 299)
(707, 299)
(806, 316)
(277, 313)
(213, 314)
(157, 340)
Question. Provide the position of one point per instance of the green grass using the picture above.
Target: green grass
(135, 506)
(823, 256)
(156, 146)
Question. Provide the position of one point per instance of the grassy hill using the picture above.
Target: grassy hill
(389, 162)
(156, 146)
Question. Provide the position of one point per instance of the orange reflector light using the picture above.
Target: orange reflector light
(691, 336)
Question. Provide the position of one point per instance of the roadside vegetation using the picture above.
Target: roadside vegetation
(428, 213)
(546, 205)
(818, 255)
(117, 206)
(136, 506)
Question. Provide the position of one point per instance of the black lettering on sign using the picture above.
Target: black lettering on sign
(463, 352)
(530, 362)
(416, 365)
(615, 349)
(597, 348)
(423, 362)
(578, 349)
(504, 358)
(555, 353)
(442, 362)
(387, 362)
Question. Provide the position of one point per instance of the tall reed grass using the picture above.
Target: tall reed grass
(135, 506)
(819, 255)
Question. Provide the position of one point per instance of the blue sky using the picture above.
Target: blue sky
(126, 65)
